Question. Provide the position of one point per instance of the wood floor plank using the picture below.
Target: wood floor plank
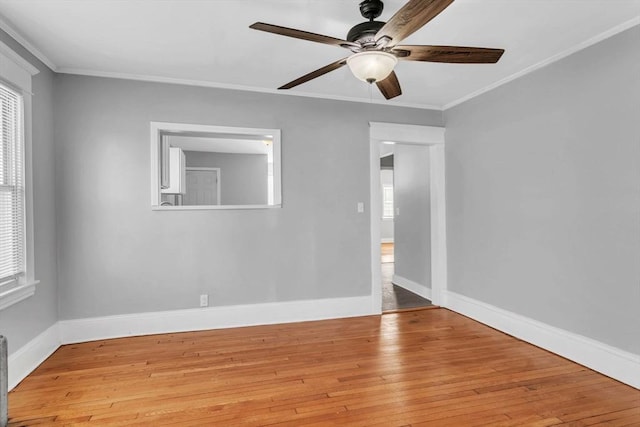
(611, 416)
(427, 367)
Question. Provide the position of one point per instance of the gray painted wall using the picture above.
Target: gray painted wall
(243, 177)
(412, 235)
(116, 255)
(24, 321)
(386, 224)
(543, 194)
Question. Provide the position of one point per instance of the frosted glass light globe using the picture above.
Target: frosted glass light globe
(372, 66)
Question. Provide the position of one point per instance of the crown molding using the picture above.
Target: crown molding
(209, 84)
(580, 46)
(7, 28)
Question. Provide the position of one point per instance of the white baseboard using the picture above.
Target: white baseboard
(28, 357)
(611, 361)
(96, 328)
(386, 240)
(412, 286)
(23, 361)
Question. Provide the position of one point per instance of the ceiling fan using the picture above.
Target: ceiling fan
(375, 45)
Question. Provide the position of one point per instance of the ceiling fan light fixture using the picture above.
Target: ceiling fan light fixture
(376, 45)
(372, 65)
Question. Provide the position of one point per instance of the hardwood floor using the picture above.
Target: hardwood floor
(394, 297)
(420, 368)
(386, 252)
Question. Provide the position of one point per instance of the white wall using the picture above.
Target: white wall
(412, 245)
(543, 194)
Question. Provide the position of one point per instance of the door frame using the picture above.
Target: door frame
(216, 170)
(433, 138)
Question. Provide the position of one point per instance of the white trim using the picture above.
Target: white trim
(375, 233)
(213, 207)
(17, 294)
(28, 196)
(410, 285)
(386, 240)
(555, 58)
(408, 134)
(19, 61)
(438, 223)
(23, 361)
(28, 46)
(201, 83)
(16, 71)
(209, 84)
(158, 79)
(611, 361)
(434, 138)
(82, 330)
(28, 357)
(608, 360)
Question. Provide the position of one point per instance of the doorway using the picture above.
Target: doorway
(202, 186)
(406, 278)
(432, 138)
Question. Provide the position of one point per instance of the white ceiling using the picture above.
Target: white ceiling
(208, 42)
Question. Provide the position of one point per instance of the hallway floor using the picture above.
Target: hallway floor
(395, 298)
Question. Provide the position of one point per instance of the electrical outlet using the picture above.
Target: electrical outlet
(204, 300)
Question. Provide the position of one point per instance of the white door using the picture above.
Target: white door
(202, 187)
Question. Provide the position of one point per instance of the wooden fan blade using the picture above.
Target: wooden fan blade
(410, 18)
(449, 54)
(304, 35)
(390, 87)
(317, 73)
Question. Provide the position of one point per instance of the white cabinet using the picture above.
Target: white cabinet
(177, 172)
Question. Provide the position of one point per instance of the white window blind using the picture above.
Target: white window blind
(12, 190)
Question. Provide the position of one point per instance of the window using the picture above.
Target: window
(387, 201)
(16, 218)
(12, 191)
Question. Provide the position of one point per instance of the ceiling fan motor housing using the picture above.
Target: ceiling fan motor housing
(365, 32)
